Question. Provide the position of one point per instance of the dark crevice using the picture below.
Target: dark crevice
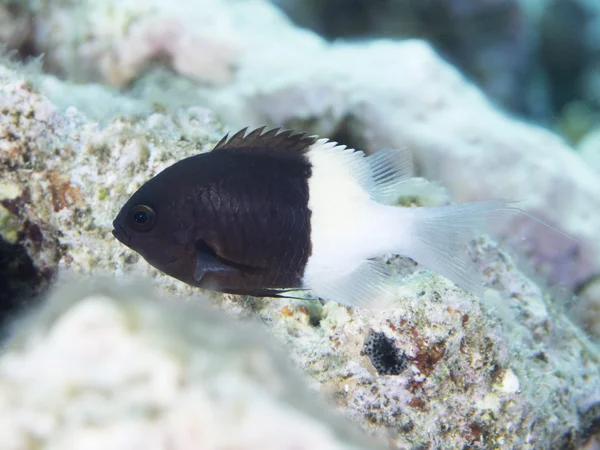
(590, 422)
(349, 132)
(385, 357)
(21, 283)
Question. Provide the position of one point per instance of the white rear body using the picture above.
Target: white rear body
(350, 224)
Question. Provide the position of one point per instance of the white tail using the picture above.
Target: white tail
(438, 237)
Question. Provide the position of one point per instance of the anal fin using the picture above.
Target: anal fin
(369, 286)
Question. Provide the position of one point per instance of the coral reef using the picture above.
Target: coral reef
(538, 59)
(117, 41)
(489, 41)
(368, 95)
(62, 173)
(477, 373)
(102, 367)
(441, 370)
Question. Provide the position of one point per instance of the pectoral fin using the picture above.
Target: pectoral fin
(207, 261)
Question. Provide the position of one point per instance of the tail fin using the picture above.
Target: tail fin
(440, 234)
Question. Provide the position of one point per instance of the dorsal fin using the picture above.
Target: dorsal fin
(380, 174)
(274, 142)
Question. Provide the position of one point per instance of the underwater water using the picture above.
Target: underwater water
(494, 99)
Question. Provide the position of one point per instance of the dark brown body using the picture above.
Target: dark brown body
(244, 204)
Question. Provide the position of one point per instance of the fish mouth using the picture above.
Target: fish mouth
(119, 233)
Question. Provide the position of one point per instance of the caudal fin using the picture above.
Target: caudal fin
(439, 236)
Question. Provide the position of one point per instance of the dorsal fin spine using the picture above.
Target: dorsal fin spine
(275, 139)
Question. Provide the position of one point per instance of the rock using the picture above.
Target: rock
(477, 360)
(62, 175)
(589, 148)
(469, 367)
(587, 308)
(536, 58)
(489, 41)
(117, 43)
(369, 95)
(101, 366)
(510, 370)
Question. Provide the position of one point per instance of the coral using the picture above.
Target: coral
(60, 174)
(507, 371)
(536, 58)
(202, 58)
(116, 367)
(118, 41)
(370, 95)
(589, 148)
(587, 307)
(489, 41)
(473, 366)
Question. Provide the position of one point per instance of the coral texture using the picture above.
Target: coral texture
(506, 371)
(589, 148)
(382, 94)
(478, 373)
(100, 368)
(117, 41)
(489, 41)
(370, 95)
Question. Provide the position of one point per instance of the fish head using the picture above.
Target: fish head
(151, 224)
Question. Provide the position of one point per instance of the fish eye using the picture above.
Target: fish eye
(142, 217)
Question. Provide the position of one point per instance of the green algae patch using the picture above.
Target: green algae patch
(9, 226)
(9, 222)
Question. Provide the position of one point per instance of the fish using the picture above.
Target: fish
(269, 212)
